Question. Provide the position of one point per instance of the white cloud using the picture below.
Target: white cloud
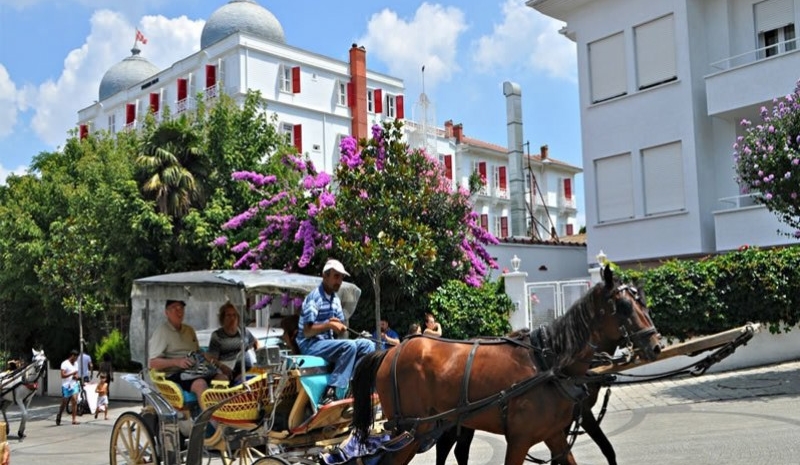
(8, 103)
(526, 39)
(4, 173)
(57, 102)
(429, 39)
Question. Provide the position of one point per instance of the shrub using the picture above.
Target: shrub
(117, 346)
(466, 311)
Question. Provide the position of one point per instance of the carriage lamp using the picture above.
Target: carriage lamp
(601, 258)
(515, 262)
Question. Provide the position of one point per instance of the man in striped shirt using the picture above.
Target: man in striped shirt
(322, 317)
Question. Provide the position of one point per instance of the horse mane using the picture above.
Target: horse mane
(569, 333)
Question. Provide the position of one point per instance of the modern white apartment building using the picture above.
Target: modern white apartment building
(663, 86)
(318, 100)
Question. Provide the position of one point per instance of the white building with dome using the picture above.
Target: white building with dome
(317, 100)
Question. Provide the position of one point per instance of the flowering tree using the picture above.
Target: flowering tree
(393, 215)
(767, 158)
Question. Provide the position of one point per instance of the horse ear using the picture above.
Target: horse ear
(608, 277)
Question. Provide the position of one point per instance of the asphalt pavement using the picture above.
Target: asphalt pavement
(88, 442)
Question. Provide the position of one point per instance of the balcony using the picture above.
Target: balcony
(130, 126)
(566, 203)
(742, 221)
(212, 92)
(501, 192)
(751, 78)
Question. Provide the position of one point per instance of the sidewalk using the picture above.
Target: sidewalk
(770, 380)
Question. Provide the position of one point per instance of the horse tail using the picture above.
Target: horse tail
(363, 386)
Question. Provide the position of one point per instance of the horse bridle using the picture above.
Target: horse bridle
(638, 338)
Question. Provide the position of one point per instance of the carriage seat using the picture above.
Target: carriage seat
(172, 392)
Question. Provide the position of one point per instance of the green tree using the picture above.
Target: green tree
(467, 311)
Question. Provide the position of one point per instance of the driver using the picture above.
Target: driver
(322, 316)
(170, 346)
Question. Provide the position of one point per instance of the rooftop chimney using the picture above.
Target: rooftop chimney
(544, 151)
(516, 177)
(448, 129)
(458, 132)
(358, 86)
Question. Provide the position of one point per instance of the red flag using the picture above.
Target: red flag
(140, 37)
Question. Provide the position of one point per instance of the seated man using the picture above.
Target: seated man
(322, 316)
(170, 346)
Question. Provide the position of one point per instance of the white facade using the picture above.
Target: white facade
(553, 203)
(663, 86)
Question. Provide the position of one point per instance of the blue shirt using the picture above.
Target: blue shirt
(391, 333)
(318, 307)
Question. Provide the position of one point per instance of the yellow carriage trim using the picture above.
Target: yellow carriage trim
(168, 389)
(246, 409)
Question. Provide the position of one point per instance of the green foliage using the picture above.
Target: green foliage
(690, 298)
(467, 311)
(768, 159)
(116, 345)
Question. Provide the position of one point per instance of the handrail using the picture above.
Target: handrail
(757, 55)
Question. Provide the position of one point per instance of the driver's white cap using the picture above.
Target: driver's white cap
(335, 265)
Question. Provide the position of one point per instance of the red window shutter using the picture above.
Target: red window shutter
(296, 80)
(398, 101)
(570, 231)
(211, 76)
(448, 166)
(83, 131)
(502, 177)
(503, 226)
(130, 113)
(482, 171)
(485, 221)
(183, 85)
(377, 95)
(154, 103)
(351, 95)
(297, 137)
(568, 188)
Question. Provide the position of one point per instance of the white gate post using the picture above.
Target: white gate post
(515, 288)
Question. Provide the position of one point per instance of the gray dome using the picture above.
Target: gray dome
(126, 73)
(241, 16)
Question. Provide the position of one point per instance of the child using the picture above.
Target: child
(102, 397)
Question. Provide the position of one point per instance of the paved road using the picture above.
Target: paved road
(664, 421)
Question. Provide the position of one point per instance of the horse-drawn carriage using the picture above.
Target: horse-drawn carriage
(18, 385)
(270, 418)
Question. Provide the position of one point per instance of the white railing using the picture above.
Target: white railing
(181, 106)
(501, 192)
(739, 201)
(212, 92)
(755, 55)
(484, 190)
(130, 126)
(567, 203)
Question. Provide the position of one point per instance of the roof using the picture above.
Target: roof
(241, 16)
(128, 72)
(576, 240)
(251, 281)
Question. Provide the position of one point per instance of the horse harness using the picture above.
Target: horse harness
(8, 383)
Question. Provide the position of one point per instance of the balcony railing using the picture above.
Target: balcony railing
(181, 106)
(130, 126)
(211, 92)
(501, 192)
(756, 55)
(739, 201)
(566, 203)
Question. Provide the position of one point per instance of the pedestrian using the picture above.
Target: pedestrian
(102, 397)
(388, 337)
(107, 367)
(413, 329)
(321, 317)
(86, 367)
(432, 327)
(70, 386)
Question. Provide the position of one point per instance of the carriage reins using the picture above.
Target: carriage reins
(30, 383)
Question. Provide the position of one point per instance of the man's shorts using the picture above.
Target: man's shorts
(73, 390)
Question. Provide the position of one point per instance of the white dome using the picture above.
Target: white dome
(241, 16)
(128, 72)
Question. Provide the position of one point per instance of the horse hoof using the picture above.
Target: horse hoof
(21, 436)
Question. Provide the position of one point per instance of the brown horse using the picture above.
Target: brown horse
(430, 384)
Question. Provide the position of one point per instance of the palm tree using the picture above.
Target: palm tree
(173, 167)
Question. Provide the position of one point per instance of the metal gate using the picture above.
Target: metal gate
(549, 300)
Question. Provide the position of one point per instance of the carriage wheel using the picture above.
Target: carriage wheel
(270, 461)
(132, 441)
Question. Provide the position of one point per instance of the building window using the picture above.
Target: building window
(341, 93)
(662, 168)
(286, 78)
(775, 27)
(293, 134)
(370, 101)
(607, 73)
(390, 106)
(655, 52)
(614, 184)
(112, 123)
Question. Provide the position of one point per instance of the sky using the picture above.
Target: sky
(53, 54)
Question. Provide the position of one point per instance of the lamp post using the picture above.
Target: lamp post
(601, 258)
(515, 262)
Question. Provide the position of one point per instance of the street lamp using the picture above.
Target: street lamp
(515, 262)
(601, 258)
